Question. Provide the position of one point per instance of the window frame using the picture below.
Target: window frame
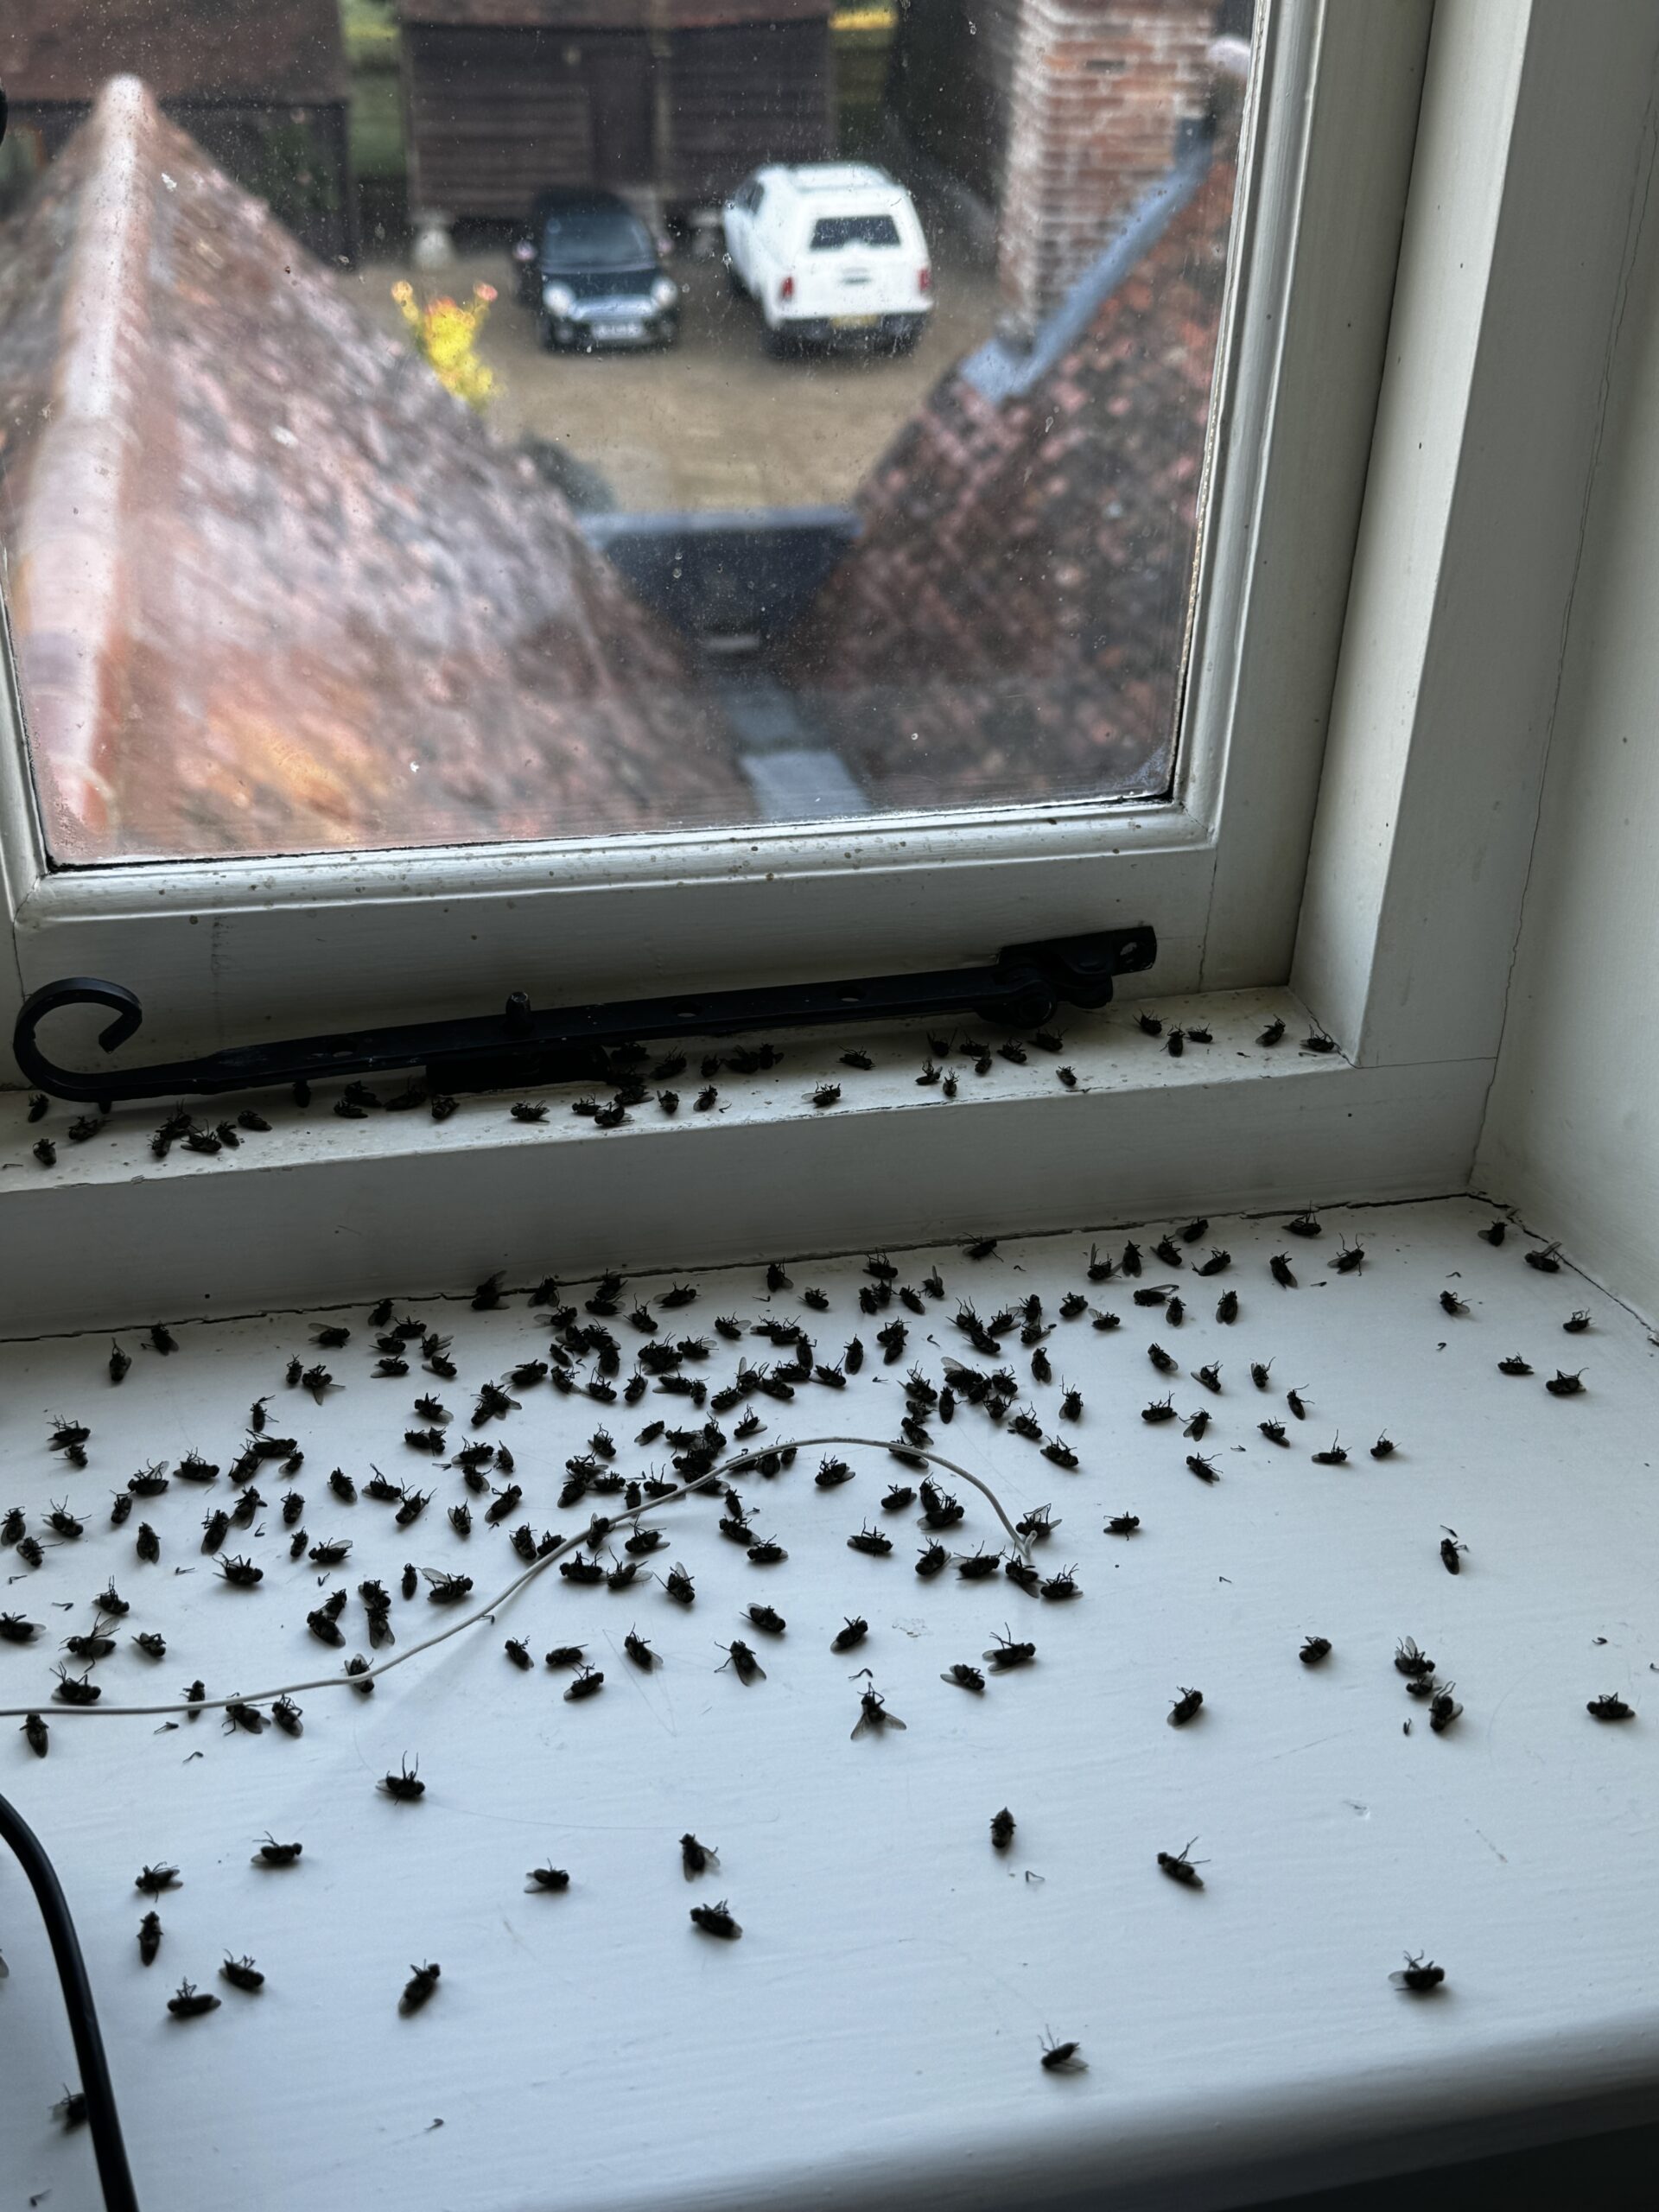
(221, 951)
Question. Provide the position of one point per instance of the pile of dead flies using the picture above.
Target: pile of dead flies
(701, 1392)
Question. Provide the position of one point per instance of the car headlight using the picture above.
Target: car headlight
(558, 299)
(663, 293)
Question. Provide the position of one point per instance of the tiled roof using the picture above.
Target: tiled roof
(272, 588)
(208, 49)
(1010, 625)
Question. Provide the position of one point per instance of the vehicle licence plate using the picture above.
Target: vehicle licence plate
(615, 330)
(855, 321)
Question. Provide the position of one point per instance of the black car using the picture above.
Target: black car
(590, 270)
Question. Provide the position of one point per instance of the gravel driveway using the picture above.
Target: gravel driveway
(716, 422)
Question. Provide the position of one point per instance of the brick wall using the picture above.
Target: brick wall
(1101, 92)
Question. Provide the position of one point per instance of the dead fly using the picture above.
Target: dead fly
(715, 1920)
(45, 1151)
(873, 1715)
(1148, 1025)
(1218, 1262)
(589, 1683)
(14, 1526)
(1062, 2057)
(191, 2002)
(75, 1689)
(1180, 1868)
(1185, 1705)
(1514, 1365)
(415, 1502)
(331, 1554)
(978, 1566)
(1547, 1261)
(898, 1498)
(405, 1785)
(154, 1881)
(853, 1358)
(1280, 1269)
(940, 1509)
(830, 1472)
(1314, 1649)
(1209, 1377)
(1410, 1661)
(242, 1974)
(643, 1542)
(1335, 1457)
(742, 1661)
(980, 1248)
(149, 1938)
(1025, 1423)
(194, 1695)
(1565, 1386)
(1451, 1303)
(1023, 1576)
(1123, 1524)
(567, 1655)
(418, 1989)
(1042, 1368)
(14, 1628)
(1174, 1312)
(826, 1094)
(323, 1625)
(1609, 1708)
(120, 1509)
(704, 1099)
(551, 1881)
(70, 1438)
(1384, 1448)
(1418, 1976)
(460, 1519)
(36, 1734)
(1452, 1552)
(1205, 1470)
(639, 1651)
(63, 1523)
(1058, 1587)
(1155, 1294)
(871, 1540)
(1443, 1710)
(29, 1552)
(1159, 1410)
(965, 1677)
(931, 1560)
(696, 1858)
(1195, 1428)
(239, 1714)
(517, 1652)
(94, 1645)
(1060, 1454)
(850, 1638)
(1170, 1252)
(1298, 1405)
(1005, 1655)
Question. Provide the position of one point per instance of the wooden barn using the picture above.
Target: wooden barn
(260, 85)
(678, 98)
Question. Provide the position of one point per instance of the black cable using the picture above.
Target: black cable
(102, 2116)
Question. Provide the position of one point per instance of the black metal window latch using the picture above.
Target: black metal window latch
(1023, 989)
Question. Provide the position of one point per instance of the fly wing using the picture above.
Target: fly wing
(891, 1719)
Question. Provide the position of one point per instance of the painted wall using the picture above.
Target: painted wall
(1572, 1128)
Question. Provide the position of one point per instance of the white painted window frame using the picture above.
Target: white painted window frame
(221, 953)
(1530, 175)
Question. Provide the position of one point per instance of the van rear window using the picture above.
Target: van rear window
(831, 231)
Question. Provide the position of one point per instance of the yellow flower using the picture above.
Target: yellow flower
(445, 334)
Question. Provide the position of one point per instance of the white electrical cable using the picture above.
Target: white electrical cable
(635, 1513)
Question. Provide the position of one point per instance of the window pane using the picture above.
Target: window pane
(452, 421)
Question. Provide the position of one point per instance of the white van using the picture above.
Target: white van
(830, 252)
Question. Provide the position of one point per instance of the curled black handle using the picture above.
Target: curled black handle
(76, 990)
(1020, 989)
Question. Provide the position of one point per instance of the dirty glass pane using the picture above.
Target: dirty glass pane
(450, 421)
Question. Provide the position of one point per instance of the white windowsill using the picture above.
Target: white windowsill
(325, 1208)
(872, 2042)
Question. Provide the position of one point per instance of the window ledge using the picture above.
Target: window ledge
(321, 1207)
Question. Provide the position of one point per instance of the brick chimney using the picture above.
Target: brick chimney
(1105, 95)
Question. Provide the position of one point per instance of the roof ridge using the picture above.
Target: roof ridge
(69, 578)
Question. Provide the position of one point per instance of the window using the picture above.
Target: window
(336, 648)
(831, 233)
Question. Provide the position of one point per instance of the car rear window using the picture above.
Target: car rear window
(832, 231)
